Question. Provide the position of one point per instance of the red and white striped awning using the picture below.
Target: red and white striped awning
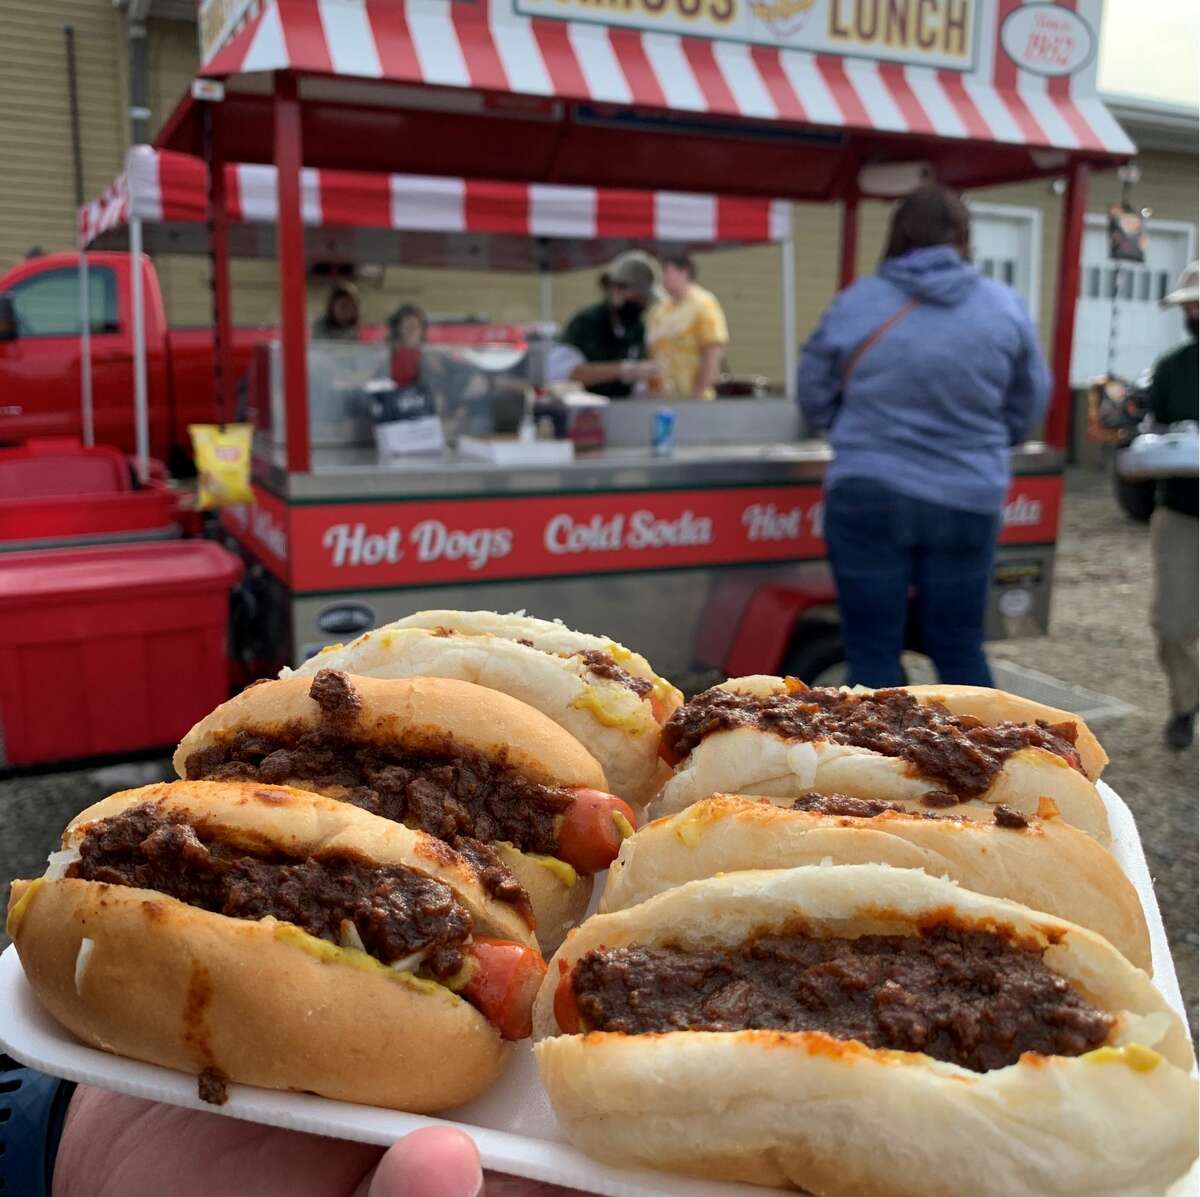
(161, 187)
(486, 46)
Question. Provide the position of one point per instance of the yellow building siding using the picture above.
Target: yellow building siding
(37, 203)
(37, 189)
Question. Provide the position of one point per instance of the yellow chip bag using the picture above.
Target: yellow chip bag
(222, 453)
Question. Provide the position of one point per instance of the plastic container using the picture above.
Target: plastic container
(55, 466)
(112, 649)
(55, 492)
(512, 1124)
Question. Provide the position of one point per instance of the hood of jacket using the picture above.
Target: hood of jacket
(935, 274)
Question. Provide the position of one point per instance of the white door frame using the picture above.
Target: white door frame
(1034, 217)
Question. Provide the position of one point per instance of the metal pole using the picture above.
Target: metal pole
(218, 252)
(290, 247)
(1058, 422)
(139, 111)
(849, 260)
(547, 295)
(141, 415)
(790, 349)
(73, 103)
(85, 353)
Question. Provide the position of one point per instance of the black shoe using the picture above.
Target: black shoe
(1181, 731)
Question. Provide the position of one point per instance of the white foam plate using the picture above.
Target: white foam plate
(512, 1124)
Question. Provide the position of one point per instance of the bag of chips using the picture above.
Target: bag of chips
(222, 453)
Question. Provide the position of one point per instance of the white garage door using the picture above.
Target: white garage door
(1006, 245)
(1118, 311)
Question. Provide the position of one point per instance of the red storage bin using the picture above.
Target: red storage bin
(112, 649)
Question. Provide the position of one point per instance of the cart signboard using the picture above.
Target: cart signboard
(335, 546)
(935, 33)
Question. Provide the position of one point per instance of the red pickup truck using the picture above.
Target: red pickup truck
(40, 356)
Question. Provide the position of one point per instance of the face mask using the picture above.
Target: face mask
(629, 311)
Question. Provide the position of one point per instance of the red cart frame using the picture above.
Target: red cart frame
(814, 101)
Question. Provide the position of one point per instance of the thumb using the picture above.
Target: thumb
(431, 1162)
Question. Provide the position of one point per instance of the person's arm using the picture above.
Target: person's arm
(706, 375)
(588, 373)
(1029, 386)
(1160, 391)
(713, 334)
(819, 377)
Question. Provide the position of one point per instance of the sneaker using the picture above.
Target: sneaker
(1181, 731)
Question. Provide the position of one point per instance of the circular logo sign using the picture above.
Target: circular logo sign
(344, 619)
(1047, 40)
(1016, 602)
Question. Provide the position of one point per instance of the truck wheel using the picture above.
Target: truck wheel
(816, 649)
(1136, 499)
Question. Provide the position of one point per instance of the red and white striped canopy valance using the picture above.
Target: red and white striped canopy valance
(488, 46)
(168, 188)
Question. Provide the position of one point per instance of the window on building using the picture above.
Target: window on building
(47, 305)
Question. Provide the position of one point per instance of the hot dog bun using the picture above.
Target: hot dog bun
(538, 662)
(747, 760)
(430, 713)
(998, 706)
(141, 974)
(1048, 865)
(838, 1118)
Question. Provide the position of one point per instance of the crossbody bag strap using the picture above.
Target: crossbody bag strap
(863, 346)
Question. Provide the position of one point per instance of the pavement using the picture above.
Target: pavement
(1099, 638)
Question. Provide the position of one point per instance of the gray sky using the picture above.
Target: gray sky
(1152, 48)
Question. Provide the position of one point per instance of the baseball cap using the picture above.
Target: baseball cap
(1187, 287)
(636, 270)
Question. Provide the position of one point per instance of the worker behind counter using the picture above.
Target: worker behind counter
(603, 347)
(686, 333)
(340, 320)
(1173, 527)
(457, 388)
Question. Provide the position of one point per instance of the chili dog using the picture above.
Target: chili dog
(864, 1030)
(271, 936)
(606, 696)
(961, 748)
(495, 779)
(1041, 862)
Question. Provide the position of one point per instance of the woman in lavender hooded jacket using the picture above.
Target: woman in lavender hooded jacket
(922, 411)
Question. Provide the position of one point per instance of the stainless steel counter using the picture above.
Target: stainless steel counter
(354, 473)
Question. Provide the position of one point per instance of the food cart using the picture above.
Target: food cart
(712, 557)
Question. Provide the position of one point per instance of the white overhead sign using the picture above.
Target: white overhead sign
(931, 33)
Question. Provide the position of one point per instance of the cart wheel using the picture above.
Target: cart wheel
(815, 654)
(1136, 499)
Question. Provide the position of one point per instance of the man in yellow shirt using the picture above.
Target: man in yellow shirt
(686, 333)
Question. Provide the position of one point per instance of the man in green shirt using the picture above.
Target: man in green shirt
(609, 337)
(1173, 528)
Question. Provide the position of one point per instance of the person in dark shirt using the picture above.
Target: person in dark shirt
(1173, 528)
(609, 336)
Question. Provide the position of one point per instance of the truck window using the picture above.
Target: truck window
(47, 305)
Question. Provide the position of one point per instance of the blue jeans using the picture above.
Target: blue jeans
(883, 545)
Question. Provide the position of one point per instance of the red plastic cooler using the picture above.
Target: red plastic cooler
(112, 649)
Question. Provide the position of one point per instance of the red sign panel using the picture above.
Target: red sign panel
(263, 528)
(353, 546)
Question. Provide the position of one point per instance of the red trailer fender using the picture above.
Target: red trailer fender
(765, 631)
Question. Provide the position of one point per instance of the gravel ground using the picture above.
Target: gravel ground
(1099, 638)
